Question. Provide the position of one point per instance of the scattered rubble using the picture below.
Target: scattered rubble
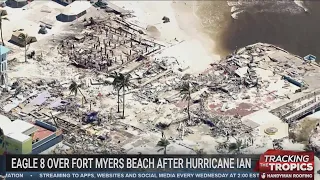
(91, 113)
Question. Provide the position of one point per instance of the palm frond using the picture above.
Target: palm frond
(233, 146)
(308, 148)
(239, 143)
(161, 149)
(113, 75)
(73, 88)
(185, 97)
(236, 146)
(116, 80)
(124, 80)
(163, 142)
(200, 151)
(185, 91)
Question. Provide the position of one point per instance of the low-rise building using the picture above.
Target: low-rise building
(16, 3)
(21, 38)
(74, 11)
(265, 123)
(22, 137)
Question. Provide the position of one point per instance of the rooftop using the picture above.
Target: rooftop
(18, 129)
(18, 136)
(259, 118)
(116, 8)
(41, 133)
(4, 120)
(76, 8)
(20, 126)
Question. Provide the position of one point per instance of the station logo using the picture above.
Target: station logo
(279, 164)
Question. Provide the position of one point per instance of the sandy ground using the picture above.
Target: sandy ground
(194, 48)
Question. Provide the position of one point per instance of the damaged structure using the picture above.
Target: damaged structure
(108, 45)
(105, 85)
(22, 39)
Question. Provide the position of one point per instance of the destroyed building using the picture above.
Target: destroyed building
(22, 39)
(113, 45)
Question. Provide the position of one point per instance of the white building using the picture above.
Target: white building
(267, 124)
(17, 136)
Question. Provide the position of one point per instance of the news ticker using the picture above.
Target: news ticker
(133, 175)
(273, 164)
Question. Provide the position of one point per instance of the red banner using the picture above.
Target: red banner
(279, 164)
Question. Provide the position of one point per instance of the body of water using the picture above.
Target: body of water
(283, 23)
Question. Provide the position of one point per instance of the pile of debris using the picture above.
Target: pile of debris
(106, 44)
(85, 144)
(314, 140)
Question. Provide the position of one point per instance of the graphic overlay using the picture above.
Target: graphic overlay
(227, 167)
(272, 165)
(279, 164)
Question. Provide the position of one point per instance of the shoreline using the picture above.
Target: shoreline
(184, 31)
(282, 25)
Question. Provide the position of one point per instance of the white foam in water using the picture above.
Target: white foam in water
(301, 4)
(273, 6)
(235, 15)
(234, 9)
(232, 3)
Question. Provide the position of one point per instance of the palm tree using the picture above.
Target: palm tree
(74, 88)
(163, 143)
(24, 38)
(185, 91)
(124, 82)
(2, 18)
(236, 147)
(199, 151)
(308, 147)
(116, 86)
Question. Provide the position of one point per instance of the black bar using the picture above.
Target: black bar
(36, 163)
